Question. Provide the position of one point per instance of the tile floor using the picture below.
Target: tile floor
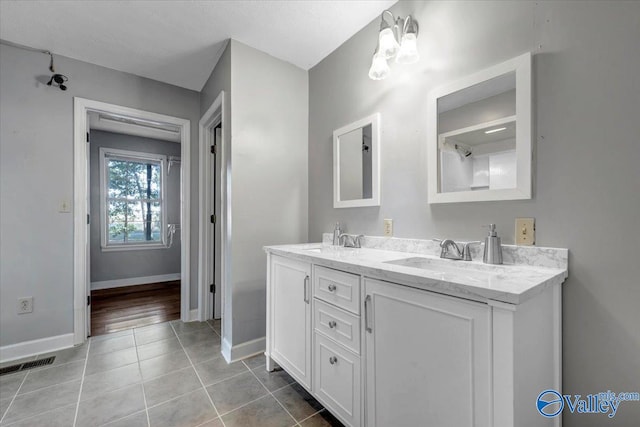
(169, 374)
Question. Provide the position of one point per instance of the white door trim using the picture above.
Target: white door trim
(214, 115)
(83, 106)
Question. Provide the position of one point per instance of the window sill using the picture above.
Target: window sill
(122, 248)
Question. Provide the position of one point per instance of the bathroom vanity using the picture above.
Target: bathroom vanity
(392, 335)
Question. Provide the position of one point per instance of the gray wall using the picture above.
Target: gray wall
(269, 128)
(266, 133)
(220, 80)
(36, 159)
(113, 265)
(587, 157)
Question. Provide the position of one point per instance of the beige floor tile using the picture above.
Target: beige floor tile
(187, 411)
(110, 406)
(265, 412)
(234, 392)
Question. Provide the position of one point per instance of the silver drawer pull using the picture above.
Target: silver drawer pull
(333, 360)
(367, 304)
(331, 287)
(332, 324)
(305, 290)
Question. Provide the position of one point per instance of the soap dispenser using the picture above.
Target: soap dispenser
(492, 247)
(336, 234)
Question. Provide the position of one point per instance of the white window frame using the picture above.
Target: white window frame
(127, 155)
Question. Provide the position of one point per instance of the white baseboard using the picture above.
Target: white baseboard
(226, 350)
(107, 284)
(193, 315)
(31, 348)
(244, 350)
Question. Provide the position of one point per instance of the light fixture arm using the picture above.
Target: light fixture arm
(409, 25)
(384, 24)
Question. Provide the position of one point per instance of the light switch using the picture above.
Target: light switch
(65, 207)
(388, 227)
(525, 231)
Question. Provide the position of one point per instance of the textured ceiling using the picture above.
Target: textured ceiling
(179, 42)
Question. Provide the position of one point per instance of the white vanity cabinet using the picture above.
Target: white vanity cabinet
(428, 357)
(379, 351)
(289, 314)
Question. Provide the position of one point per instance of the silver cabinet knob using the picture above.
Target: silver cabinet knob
(331, 287)
(332, 324)
(333, 360)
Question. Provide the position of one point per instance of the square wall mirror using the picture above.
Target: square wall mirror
(356, 164)
(479, 139)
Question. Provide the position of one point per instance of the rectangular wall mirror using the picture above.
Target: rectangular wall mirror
(479, 140)
(356, 164)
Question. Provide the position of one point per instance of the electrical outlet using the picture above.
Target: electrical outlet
(65, 207)
(25, 305)
(388, 227)
(525, 231)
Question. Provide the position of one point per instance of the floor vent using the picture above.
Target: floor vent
(27, 365)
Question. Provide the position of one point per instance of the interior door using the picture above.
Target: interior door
(88, 234)
(216, 230)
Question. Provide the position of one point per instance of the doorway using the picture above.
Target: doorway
(215, 235)
(131, 188)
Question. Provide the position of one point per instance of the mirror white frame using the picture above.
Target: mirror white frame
(522, 67)
(374, 121)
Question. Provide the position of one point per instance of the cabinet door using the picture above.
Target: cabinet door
(336, 379)
(427, 358)
(291, 317)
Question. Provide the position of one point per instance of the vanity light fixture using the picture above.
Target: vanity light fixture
(494, 130)
(405, 52)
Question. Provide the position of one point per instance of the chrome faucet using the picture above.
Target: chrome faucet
(451, 249)
(350, 240)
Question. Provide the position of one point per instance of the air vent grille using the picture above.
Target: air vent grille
(27, 365)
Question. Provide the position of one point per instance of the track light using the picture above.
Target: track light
(405, 52)
(59, 80)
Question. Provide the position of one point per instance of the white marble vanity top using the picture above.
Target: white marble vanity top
(526, 272)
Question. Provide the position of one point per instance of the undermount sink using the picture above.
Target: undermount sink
(330, 249)
(439, 267)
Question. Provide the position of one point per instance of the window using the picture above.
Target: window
(132, 200)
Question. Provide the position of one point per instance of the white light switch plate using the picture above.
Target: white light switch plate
(65, 207)
(525, 231)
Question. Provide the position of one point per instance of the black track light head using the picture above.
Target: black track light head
(59, 80)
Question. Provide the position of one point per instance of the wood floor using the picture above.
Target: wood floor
(117, 309)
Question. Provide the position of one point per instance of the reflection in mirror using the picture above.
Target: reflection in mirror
(477, 136)
(356, 149)
(480, 148)
(355, 164)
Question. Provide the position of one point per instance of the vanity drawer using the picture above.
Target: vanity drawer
(336, 379)
(337, 287)
(337, 324)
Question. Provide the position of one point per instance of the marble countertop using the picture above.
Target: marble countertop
(511, 283)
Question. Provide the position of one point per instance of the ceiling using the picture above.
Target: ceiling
(179, 42)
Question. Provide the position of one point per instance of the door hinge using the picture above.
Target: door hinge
(87, 136)
(88, 219)
(212, 288)
(213, 219)
(214, 149)
(88, 299)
